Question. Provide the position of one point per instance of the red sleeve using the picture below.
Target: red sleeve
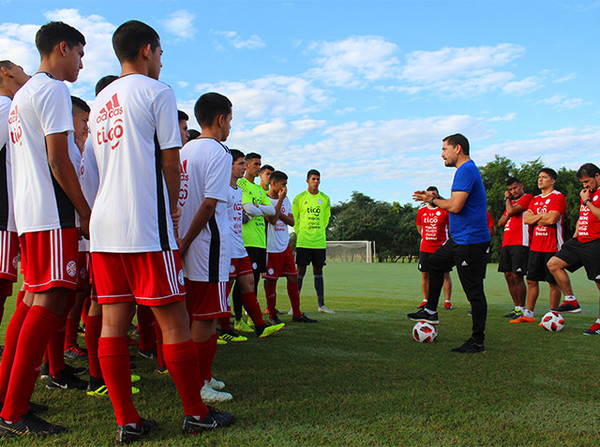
(525, 200)
(490, 220)
(558, 203)
(419, 220)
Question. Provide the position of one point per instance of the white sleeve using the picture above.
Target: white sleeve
(4, 109)
(54, 108)
(164, 108)
(218, 176)
(252, 210)
(267, 210)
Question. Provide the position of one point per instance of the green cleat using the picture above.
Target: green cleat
(242, 326)
(229, 335)
(265, 331)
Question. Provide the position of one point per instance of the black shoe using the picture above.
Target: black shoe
(303, 319)
(76, 371)
(470, 347)
(423, 315)
(127, 434)
(567, 307)
(148, 354)
(278, 312)
(1, 350)
(29, 425)
(275, 320)
(37, 408)
(44, 371)
(76, 353)
(212, 420)
(66, 381)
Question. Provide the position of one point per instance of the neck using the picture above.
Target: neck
(4, 91)
(249, 177)
(55, 70)
(547, 191)
(313, 191)
(271, 194)
(210, 132)
(135, 67)
(462, 160)
(233, 182)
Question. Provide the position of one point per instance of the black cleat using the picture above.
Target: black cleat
(29, 425)
(212, 420)
(127, 434)
(303, 319)
(423, 315)
(275, 320)
(568, 307)
(76, 353)
(37, 408)
(470, 347)
(66, 381)
(151, 354)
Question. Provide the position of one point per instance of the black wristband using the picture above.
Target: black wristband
(585, 202)
(431, 202)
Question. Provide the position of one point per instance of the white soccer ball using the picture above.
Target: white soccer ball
(424, 332)
(552, 322)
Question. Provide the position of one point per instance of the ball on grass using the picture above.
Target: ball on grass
(424, 332)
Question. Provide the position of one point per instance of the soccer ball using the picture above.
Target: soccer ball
(424, 332)
(552, 322)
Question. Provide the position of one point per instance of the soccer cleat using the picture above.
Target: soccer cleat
(447, 305)
(515, 313)
(29, 425)
(66, 381)
(275, 320)
(97, 388)
(303, 319)
(423, 315)
(265, 331)
(76, 353)
(213, 419)
(151, 354)
(127, 434)
(523, 319)
(571, 307)
(594, 330)
(135, 378)
(242, 326)
(324, 309)
(45, 371)
(470, 347)
(221, 342)
(37, 408)
(210, 395)
(422, 305)
(215, 384)
(161, 370)
(74, 370)
(229, 335)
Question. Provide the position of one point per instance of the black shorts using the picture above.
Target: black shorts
(537, 267)
(258, 257)
(576, 254)
(513, 259)
(424, 265)
(316, 256)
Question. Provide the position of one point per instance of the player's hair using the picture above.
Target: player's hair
(130, 37)
(277, 176)
(182, 116)
(252, 155)
(103, 82)
(511, 180)
(266, 168)
(551, 172)
(236, 154)
(6, 64)
(52, 33)
(456, 139)
(209, 106)
(433, 188)
(193, 134)
(79, 105)
(587, 170)
(312, 172)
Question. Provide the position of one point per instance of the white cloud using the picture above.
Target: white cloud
(17, 43)
(560, 102)
(181, 24)
(183, 84)
(523, 87)
(254, 41)
(566, 78)
(503, 118)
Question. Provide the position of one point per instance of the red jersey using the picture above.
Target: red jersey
(588, 227)
(515, 231)
(434, 228)
(548, 239)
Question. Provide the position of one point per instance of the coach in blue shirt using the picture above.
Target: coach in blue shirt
(469, 240)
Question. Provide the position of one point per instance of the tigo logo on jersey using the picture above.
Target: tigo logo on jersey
(113, 136)
(71, 268)
(110, 110)
(16, 132)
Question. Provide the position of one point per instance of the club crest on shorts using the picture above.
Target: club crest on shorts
(71, 268)
(15, 262)
(254, 266)
(271, 271)
(232, 268)
(180, 277)
(83, 273)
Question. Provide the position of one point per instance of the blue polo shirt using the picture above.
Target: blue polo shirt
(469, 226)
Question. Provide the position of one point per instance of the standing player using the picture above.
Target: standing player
(183, 119)
(134, 252)
(515, 244)
(545, 215)
(469, 240)
(264, 174)
(584, 247)
(432, 225)
(312, 210)
(46, 195)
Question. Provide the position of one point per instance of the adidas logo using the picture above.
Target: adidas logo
(519, 269)
(464, 264)
(598, 277)
(110, 110)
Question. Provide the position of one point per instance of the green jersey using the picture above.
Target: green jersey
(254, 233)
(311, 213)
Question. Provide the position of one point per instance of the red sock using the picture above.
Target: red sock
(55, 348)
(182, 362)
(85, 309)
(71, 333)
(2, 301)
(10, 345)
(93, 328)
(294, 294)
(225, 323)
(206, 354)
(145, 328)
(160, 355)
(40, 324)
(251, 305)
(271, 292)
(114, 360)
(20, 296)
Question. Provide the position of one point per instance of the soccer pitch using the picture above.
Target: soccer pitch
(357, 377)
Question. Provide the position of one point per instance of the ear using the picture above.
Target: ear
(146, 51)
(63, 48)
(220, 120)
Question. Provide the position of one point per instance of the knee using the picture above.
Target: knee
(555, 264)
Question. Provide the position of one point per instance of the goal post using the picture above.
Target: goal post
(351, 251)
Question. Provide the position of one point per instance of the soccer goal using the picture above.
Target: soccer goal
(351, 251)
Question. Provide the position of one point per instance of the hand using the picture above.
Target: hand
(585, 194)
(176, 216)
(507, 194)
(282, 192)
(84, 229)
(181, 244)
(423, 196)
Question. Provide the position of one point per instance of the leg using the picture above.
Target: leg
(554, 295)
(301, 273)
(236, 298)
(271, 291)
(425, 285)
(557, 268)
(471, 277)
(447, 286)
(249, 300)
(512, 286)
(533, 291)
(521, 290)
(93, 328)
(319, 284)
(294, 294)
(438, 263)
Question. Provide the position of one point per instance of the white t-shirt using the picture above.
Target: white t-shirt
(40, 108)
(278, 237)
(131, 121)
(206, 173)
(235, 223)
(7, 217)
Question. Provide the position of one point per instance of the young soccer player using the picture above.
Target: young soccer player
(135, 257)
(183, 119)
(280, 260)
(264, 174)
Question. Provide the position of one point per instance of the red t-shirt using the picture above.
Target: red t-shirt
(589, 225)
(434, 228)
(515, 231)
(548, 239)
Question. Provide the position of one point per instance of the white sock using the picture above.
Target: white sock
(430, 312)
(521, 308)
(598, 321)
(570, 298)
(528, 313)
(447, 301)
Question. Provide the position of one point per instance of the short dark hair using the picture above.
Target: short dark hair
(209, 106)
(266, 168)
(182, 116)
(80, 104)
(312, 172)
(512, 180)
(236, 154)
(193, 134)
(252, 155)
(6, 64)
(456, 139)
(433, 188)
(587, 170)
(551, 172)
(103, 82)
(52, 33)
(277, 176)
(130, 37)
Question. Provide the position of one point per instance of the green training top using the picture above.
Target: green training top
(254, 231)
(311, 213)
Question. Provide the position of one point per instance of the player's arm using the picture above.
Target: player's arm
(272, 219)
(512, 210)
(296, 213)
(57, 148)
(576, 234)
(585, 197)
(502, 221)
(172, 171)
(549, 218)
(454, 204)
(419, 229)
(204, 213)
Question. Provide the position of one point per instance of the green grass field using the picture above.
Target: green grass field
(357, 378)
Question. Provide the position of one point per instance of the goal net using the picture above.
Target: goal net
(351, 251)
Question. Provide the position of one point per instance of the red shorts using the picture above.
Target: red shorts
(240, 267)
(83, 278)
(9, 255)
(151, 279)
(207, 300)
(280, 264)
(49, 259)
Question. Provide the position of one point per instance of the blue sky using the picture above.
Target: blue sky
(364, 91)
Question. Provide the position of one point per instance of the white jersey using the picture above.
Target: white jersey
(278, 236)
(235, 223)
(40, 108)
(206, 174)
(7, 217)
(131, 121)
